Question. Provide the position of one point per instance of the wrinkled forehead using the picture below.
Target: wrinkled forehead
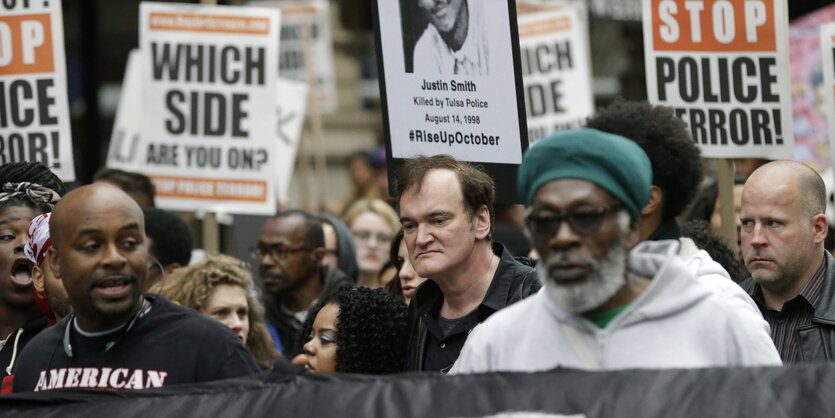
(436, 181)
(773, 188)
(286, 228)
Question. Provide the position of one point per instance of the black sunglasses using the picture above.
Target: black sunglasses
(584, 221)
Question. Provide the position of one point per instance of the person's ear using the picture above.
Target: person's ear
(54, 260)
(820, 225)
(481, 222)
(38, 281)
(656, 199)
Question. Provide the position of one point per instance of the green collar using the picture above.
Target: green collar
(601, 319)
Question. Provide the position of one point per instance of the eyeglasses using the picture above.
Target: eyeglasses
(276, 251)
(366, 236)
(583, 221)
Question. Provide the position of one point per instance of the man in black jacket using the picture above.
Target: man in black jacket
(792, 278)
(446, 209)
(289, 253)
(117, 337)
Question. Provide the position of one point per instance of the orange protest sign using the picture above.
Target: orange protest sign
(34, 108)
(209, 23)
(713, 25)
(542, 27)
(210, 188)
(26, 44)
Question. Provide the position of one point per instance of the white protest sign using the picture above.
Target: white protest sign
(208, 100)
(629, 10)
(292, 105)
(723, 66)
(556, 69)
(458, 98)
(123, 152)
(827, 34)
(34, 112)
(314, 17)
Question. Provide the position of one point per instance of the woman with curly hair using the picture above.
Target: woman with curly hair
(221, 287)
(356, 330)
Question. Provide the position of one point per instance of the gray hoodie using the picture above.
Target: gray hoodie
(677, 322)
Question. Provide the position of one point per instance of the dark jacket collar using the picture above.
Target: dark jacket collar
(429, 296)
(825, 307)
(668, 229)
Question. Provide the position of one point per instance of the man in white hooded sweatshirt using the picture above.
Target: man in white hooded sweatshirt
(598, 308)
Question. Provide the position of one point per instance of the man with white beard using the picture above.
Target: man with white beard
(602, 307)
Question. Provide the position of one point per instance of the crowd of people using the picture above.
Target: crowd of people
(606, 271)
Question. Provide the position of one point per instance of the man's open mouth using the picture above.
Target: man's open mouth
(113, 288)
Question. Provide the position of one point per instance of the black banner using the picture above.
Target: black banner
(802, 391)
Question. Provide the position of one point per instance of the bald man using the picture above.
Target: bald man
(792, 278)
(117, 337)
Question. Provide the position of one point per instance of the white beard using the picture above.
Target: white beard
(607, 277)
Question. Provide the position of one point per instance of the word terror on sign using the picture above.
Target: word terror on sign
(737, 126)
(31, 146)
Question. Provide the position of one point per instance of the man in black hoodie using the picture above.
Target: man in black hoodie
(289, 253)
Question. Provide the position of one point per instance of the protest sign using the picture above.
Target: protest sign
(827, 36)
(123, 152)
(450, 83)
(34, 113)
(125, 141)
(292, 105)
(723, 67)
(307, 21)
(811, 132)
(556, 69)
(627, 10)
(208, 99)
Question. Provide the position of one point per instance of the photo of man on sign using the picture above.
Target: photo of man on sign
(453, 39)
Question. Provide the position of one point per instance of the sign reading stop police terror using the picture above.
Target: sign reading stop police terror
(723, 67)
(209, 120)
(34, 114)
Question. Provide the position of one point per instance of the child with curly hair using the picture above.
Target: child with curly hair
(356, 330)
